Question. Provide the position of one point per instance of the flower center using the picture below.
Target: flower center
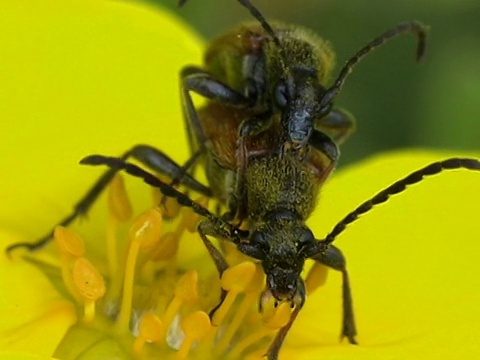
(139, 301)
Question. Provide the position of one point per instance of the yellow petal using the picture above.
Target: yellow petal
(81, 77)
(34, 315)
(8, 355)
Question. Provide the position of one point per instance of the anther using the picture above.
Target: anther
(147, 229)
(68, 243)
(70, 247)
(195, 327)
(166, 248)
(150, 329)
(185, 291)
(89, 284)
(144, 233)
(118, 202)
(278, 320)
(251, 295)
(234, 280)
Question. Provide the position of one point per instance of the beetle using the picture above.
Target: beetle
(279, 69)
(277, 235)
(261, 76)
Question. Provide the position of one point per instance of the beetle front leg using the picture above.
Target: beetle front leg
(333, 258)
(323, 143)
(207, 227)
(197, 80)
(274, 349)
(338, 124)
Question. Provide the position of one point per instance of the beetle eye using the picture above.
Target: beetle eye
(258, 240)
(280, 95)
(305, 237)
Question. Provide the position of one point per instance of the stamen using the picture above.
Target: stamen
(147, 229)
(195, 327)
(251, 296)
(279, 319)
(170, 208)
(144, 233)
(124, 315)
(317, 276)
(118, 202)
(70, 247)
(89, 284)
(185, 291)
(167, 247)
(171, 240)
(120, 210)
(112, 241)
(68, 243)
(151, 329)
(234, 280)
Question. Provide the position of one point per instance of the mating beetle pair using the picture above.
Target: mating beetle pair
(268, 139)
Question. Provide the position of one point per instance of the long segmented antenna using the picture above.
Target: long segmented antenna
(398, 187)
(256, 14)
(152, 180)
(413, 27)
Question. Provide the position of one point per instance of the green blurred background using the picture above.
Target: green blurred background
(397, 103)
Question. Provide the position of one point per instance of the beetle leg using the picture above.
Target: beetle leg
(338, 124)
(202, 83)
(218, 229)
(249, 127)
(158, 161)
(206, 228)
(333, 258)
(274, 349)
(323, 143)
(148, 156)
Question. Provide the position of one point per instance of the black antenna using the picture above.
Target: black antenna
(413, 27)
(166, 189)
(256, 14)
(398, 187)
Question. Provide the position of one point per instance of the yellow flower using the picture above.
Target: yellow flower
(82, 77)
